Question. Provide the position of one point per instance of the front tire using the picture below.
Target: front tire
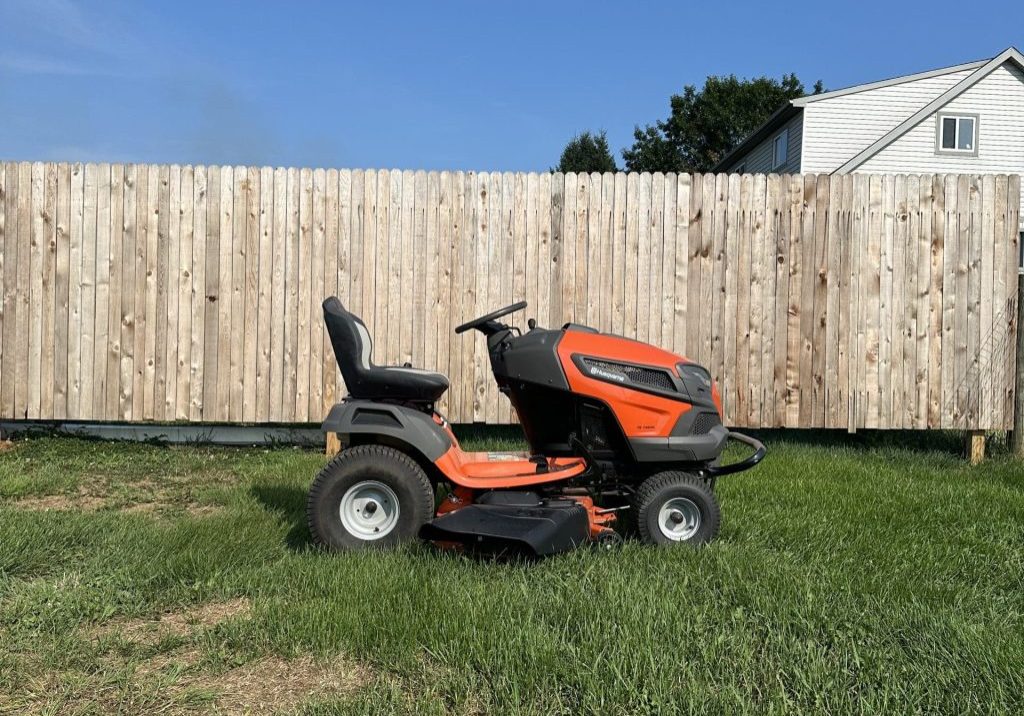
(676, 508)
(369, 496)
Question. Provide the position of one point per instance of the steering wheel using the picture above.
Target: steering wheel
(484, 320)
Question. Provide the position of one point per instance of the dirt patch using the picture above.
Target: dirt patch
(93, 503)
(177, 681)
(6, 445)
(174, 684)
(274, 685)
(193, 509)
(182, 623)
(49, 503)
(171, 494)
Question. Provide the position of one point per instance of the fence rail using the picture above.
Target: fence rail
(180, 293)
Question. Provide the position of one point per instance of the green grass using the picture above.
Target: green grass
(849, 577)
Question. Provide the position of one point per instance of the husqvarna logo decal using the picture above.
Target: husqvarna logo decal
(607, 375)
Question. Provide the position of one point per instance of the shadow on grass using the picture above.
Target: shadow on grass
(289, 502)
(945, 442)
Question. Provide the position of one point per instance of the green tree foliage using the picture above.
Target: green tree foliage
(587, 152)
(706, 124)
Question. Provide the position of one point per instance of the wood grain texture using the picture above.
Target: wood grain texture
(154, 321)
(24, 280)
(34, 293)
(175, 244)
(92, 181)
(135, 306)
(48, 297)
(145, 292)
(61, 288)
(200, 261)
(110, 362)
(761, 262)
(248, 329)
(162, 311)
(211, 296)
(313, 289)
(736, 327)
(74, 344)
(795, 321)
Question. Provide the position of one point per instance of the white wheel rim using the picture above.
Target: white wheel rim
(679, 519)
(369, 510)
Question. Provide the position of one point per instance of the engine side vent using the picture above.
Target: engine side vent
(382, 418)
(704, 422)
(647, 377)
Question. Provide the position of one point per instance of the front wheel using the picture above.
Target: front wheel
(676, 508)
(368, 496)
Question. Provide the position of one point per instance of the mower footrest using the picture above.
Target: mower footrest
(547, 528)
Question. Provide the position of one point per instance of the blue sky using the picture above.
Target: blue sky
(431, 85)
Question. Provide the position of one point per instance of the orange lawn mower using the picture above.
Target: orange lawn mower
(621, 434)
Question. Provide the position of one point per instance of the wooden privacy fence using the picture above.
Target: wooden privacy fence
(180, 293)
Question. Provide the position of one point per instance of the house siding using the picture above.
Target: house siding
(998, 100)
(836, 129)
(759, 159)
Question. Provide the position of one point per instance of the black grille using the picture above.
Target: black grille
(704, 422)
(648, 377)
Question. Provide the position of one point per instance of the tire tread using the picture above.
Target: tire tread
(650, 488)
(379, 452)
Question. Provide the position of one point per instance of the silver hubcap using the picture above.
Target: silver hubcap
(369, 510)
(679, 519)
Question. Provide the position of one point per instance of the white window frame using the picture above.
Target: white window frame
(784, 137)
(939, 149)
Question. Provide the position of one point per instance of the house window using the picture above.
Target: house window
(780, 149)
(957, 134)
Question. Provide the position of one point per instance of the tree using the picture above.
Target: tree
(706, 124)
(587, 152)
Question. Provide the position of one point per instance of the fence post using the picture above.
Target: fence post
(333, 445)
(1018, 388)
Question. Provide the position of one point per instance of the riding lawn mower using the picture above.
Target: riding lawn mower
(624, 438)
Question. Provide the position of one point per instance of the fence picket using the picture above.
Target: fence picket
(61, 297)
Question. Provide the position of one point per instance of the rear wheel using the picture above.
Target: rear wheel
(676, 508)
(368, 496)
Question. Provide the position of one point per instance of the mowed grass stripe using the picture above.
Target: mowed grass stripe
(848, 578)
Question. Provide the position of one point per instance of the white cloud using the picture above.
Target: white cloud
(30, 64)
(58, 37)
(60, 19)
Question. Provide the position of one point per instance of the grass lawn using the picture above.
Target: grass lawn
(847, 579)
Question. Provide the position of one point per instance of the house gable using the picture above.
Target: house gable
(838, 128)
(1010, 56)
(997, 100)
(899, 96)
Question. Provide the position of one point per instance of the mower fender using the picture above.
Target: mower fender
(395, 422)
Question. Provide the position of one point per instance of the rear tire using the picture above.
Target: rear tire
(676, 508)
(369, 496)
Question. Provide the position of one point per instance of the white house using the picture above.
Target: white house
(965, 119)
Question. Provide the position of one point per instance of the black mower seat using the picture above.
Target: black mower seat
(353, 348)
